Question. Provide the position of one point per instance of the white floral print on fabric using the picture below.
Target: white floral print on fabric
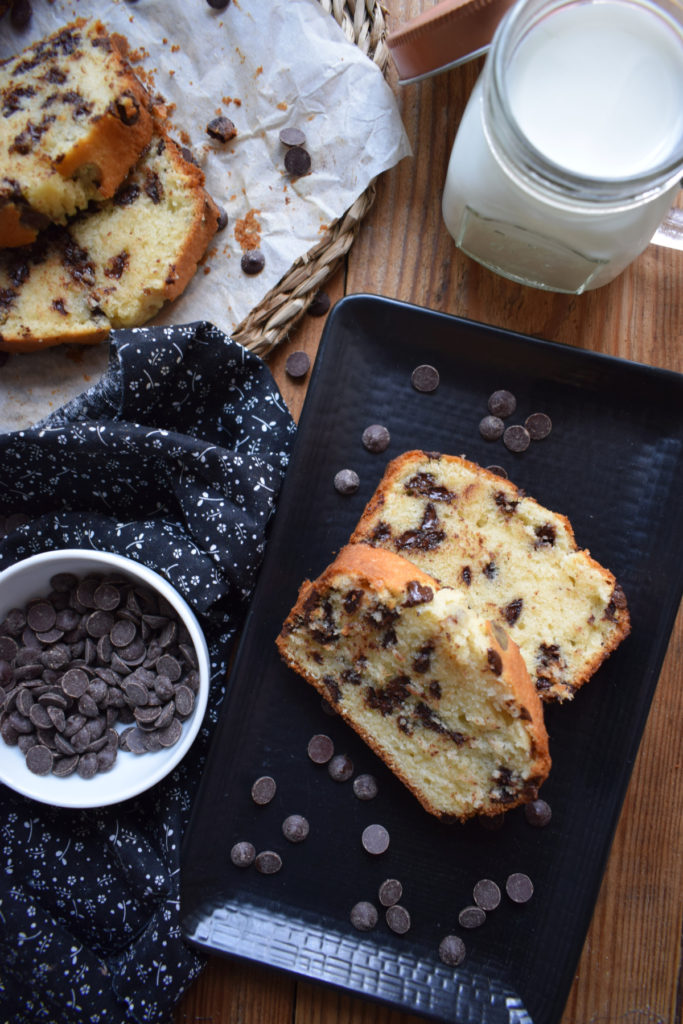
(175, 459)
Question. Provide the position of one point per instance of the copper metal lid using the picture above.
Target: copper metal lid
(450, 33)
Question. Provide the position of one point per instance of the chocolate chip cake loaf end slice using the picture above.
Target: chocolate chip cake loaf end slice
(513, 561)
(440, 695)
(115, 265)
(74, 118)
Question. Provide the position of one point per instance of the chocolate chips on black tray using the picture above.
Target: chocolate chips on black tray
(96, 653)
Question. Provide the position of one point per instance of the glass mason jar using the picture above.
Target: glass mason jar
(570, 150)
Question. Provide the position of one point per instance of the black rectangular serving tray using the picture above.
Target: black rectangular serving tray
(613, 463)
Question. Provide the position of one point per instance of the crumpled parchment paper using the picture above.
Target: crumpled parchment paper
(265, 64)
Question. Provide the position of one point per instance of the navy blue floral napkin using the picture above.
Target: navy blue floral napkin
(175, 458)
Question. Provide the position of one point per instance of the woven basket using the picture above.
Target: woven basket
(280, 310)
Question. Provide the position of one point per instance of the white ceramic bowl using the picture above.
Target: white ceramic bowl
(131, 773)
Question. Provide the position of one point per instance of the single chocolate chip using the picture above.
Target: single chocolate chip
(39, 759)
(502, 403)
(539, 425)
(268, 862)
(398, 919)
(364, 916)
(320, 304)
(122, 633)
(340, 768)
(498, 470)
(297, 364)
(538, 813)
(486, 894)
(222, 219)
(516, 438)
(75, 682)
(243, 854)
(376, 438)
(41, 616)
(375, 839)
(365, 787)
(222, 129)
(390, 892)
(346, 481)
(452, 950)
(471, 917)
(263, 790)
(519, 887)
(107, 597)
(292, 137)
(491, 428)
(295, 828)
(253, 261)
(297, 161)
(320, 748)
(425, 378)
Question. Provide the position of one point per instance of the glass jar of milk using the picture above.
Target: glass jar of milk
(570, 150)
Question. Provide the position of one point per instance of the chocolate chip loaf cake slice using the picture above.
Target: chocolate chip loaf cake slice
(439, 694)
(513, 561)
(114, 265)
(74, 119)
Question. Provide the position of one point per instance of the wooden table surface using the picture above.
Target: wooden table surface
(631, 969)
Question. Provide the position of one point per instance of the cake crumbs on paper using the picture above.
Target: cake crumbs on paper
(247, 231)
(282, 105)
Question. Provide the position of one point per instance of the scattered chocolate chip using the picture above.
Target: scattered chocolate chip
(390, 892)
(222, 129)
(452, 950)
(222, 219)
(320, 304)
(364, 916)
(263, 790)
(320, 748)
(346, 481)
(538, 813)
(498, 470)
(491, 428)
(539, 425)
(243, 854)
(471, 917)
(502, 403)
(519, 887)
(340, 768)
(375, 839)
(516, 438)
(425, 378)
(253, 261)
(398, 919)
(486, 894)
(268, 862)
(292, 137)
(376, 438)
(297, 364)
(365, 787)
(297, 161)
(295, 828)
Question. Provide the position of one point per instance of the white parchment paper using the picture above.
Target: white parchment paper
(265, 64)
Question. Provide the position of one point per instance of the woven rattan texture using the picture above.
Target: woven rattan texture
(277, 314)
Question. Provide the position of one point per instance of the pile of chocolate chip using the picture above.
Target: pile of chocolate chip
(95, 654)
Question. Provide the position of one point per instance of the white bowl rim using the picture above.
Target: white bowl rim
(102, 790)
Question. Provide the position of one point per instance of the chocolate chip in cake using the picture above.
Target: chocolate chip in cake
(425, 378)
(297, 161)
(375, 839)
(365, 787)
(320, 304)
(268, 862)
(297, 364)
(263, 790)
(516, 438)
(253, 261)
(346, 481)
(221, 128)
(292, 136)
(491, 428)
(398, 919)
(364, 916)
(502, 403)
(519, 887)
(295, 828)
(538, 813)
(222, 219)
(471, 917)
(498, 470)
(376, 438)
(390, 892)
(486, 894)
(539, 425)
(340, 768)
(320, 748)
(452, 950)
